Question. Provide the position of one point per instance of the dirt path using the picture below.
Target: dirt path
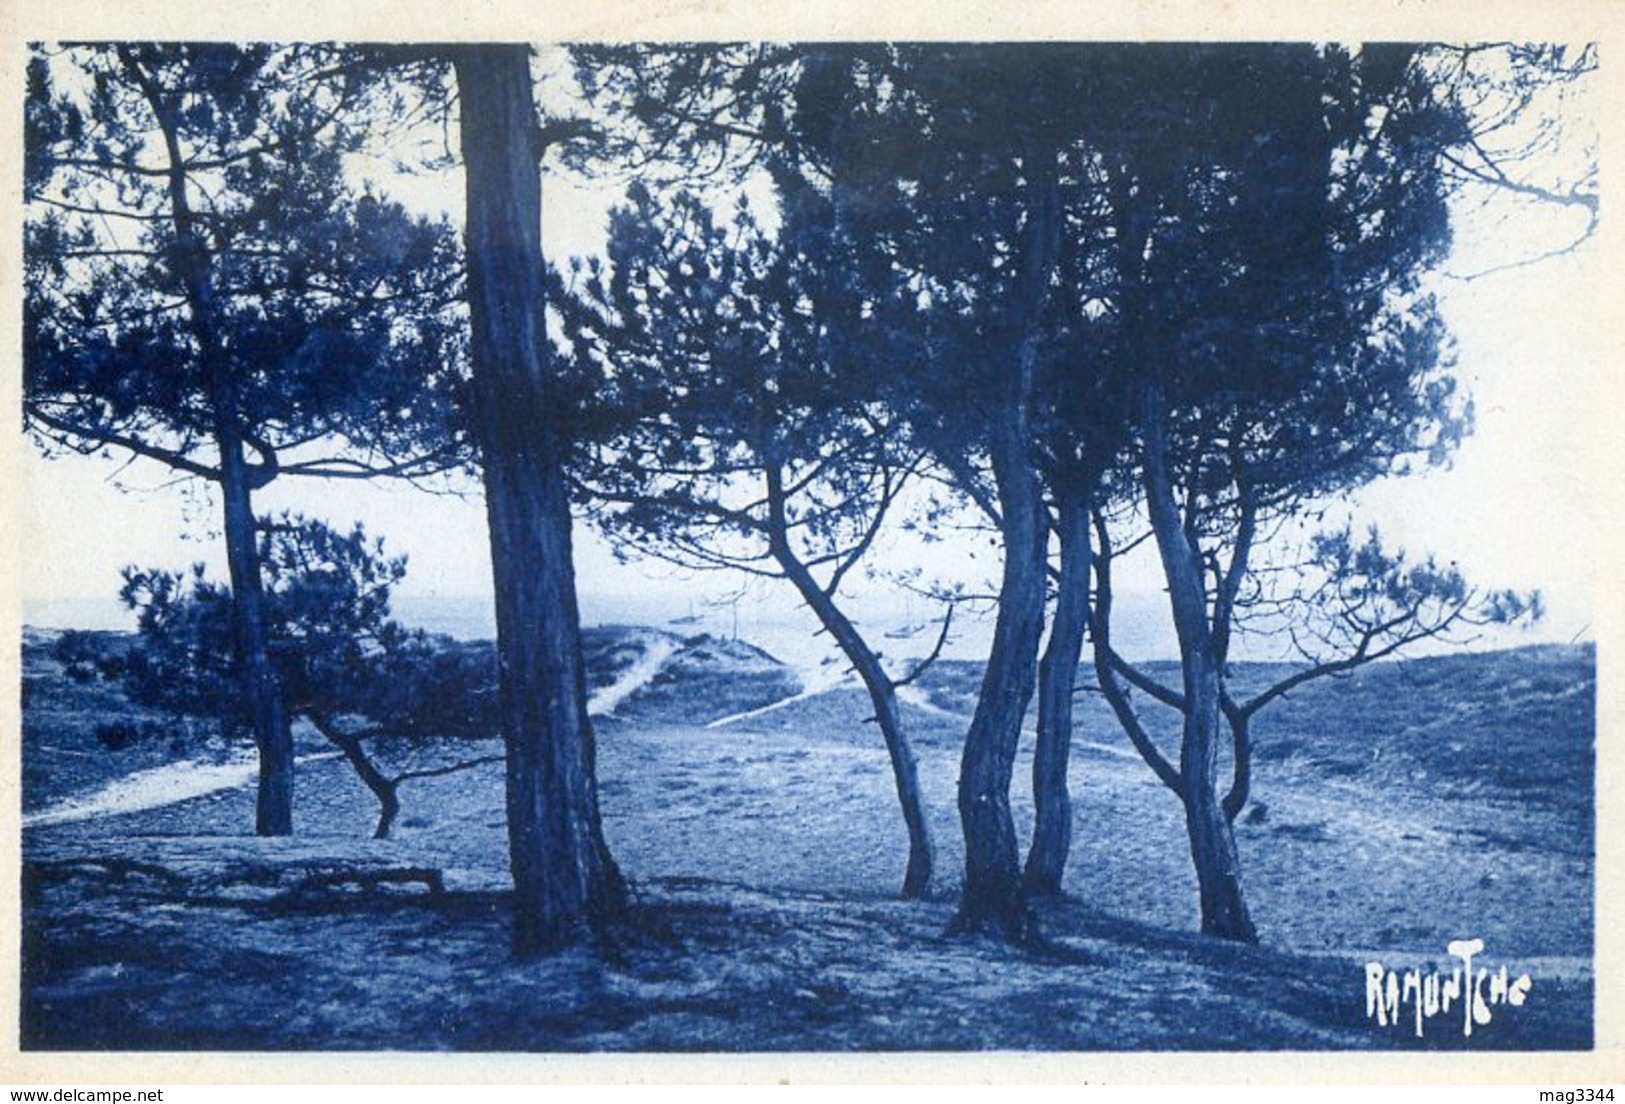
(657, 648)
(156, 787)
(825, 683)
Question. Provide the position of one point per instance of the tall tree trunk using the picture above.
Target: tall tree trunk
(262, 695)
(1052, 804)
(1212, 841)
(882, 691)
(565, 883)
(994, 901)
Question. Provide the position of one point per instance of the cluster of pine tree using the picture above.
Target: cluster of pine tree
(1086, 294)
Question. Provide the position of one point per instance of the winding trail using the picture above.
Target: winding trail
(173, 783)
(919, 699)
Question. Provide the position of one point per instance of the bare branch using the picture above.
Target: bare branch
(453, 768)
(936, 651)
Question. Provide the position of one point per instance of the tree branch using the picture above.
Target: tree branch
(107, 436)
(936, 650)
(453, 768)
(1144, 682)
(1100, 625)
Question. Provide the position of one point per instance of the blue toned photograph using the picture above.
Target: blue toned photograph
(807, 547)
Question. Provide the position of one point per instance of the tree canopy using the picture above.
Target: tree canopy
(186, 186)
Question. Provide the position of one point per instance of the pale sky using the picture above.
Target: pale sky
(1516, 508)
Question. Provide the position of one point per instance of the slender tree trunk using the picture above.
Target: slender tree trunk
(994, 901)
(905, 771)
(262, 691)
(262, 695)
(882, 692)
(382, 787)
(273, 734)
(1212, 841)
(1052, 804)
(565, 883)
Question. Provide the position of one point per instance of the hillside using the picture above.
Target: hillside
(1515, 725)
(1406, 806)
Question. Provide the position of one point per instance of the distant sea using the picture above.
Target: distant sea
(770, 618)
(773, 620)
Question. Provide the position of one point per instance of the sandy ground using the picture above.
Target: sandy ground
(765, 856)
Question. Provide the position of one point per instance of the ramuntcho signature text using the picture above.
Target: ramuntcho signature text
(1418, 996)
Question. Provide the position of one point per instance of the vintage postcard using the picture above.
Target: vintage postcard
(638, 542)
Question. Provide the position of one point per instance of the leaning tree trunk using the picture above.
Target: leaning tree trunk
(565, 883)
(383, 787)
(904, 767)
(1212, 841)
(1052, 804)
(882, 691)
